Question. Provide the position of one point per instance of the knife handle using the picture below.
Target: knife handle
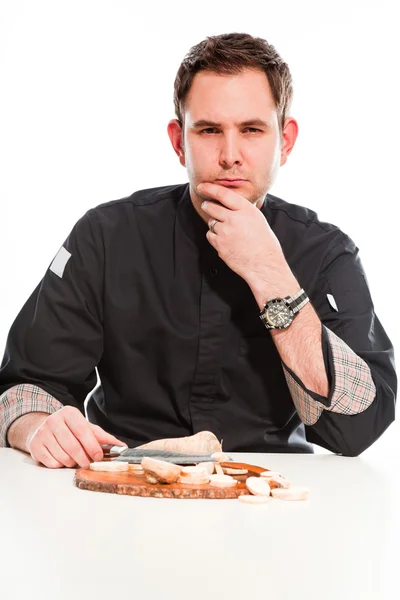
(110, 450)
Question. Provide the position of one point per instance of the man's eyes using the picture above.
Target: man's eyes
(211, 130)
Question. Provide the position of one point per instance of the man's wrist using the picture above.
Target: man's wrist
(21, 430)
(274, 283)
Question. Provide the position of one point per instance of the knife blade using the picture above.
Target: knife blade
(135, 455)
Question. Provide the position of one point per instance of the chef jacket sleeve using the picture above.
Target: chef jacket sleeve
(56, 341)
(20, 400)
(359, 361)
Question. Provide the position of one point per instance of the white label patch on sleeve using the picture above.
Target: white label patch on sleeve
(60, 261)
(332, 302)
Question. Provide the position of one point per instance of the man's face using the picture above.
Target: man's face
(231, 132)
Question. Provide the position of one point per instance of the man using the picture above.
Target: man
(174, 295)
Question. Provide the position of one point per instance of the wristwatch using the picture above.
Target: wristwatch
(279, 313)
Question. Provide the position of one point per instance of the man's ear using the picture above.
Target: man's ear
(175, 133)
(289, 136)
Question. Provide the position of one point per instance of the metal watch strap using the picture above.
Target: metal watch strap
(297, 301)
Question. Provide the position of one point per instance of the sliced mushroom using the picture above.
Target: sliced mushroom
(109, 466)
(197, 470)
(161, 470)
(151, 479)
(218, 469)
(194, 479)
(230, 471)
(222, 481)
(208, 466)
(258, 486)
(193, 475)
(280, 481)
(135, 468)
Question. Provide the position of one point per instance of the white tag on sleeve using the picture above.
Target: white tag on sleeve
(61, 259)
(332, 302)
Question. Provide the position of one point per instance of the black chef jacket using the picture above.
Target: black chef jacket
(176, 335)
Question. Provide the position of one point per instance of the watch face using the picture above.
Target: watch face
(279, 314)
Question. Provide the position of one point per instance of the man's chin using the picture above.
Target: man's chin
(253, 198)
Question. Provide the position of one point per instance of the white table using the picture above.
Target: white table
(60, 542)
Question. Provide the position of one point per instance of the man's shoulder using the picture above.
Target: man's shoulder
(118, 215)
(297, 226)
(144, 197)
(295, 214)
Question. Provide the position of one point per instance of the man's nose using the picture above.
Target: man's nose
(230, 152)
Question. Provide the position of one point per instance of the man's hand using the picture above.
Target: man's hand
(245, 241)
(64, 438)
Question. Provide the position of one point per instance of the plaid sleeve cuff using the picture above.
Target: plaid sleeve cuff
(352, 388)
(20, 400)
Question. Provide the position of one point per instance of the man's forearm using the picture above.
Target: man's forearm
(300, 345)
(21, 431)
(300, 348)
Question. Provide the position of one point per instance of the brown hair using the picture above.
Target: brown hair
(231, 53)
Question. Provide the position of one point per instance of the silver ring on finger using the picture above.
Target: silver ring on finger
(212, 225)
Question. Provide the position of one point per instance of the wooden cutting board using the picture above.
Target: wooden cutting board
(132, 484)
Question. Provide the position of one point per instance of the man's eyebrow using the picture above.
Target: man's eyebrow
(248, 123)
(254, 123)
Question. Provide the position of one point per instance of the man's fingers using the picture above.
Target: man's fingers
(212, 238)
(105, 438)
(227, 197)
(66, 438)
(216, 211)
(58, 453)
(71, 444)
(45, 457)
(85, 447)
(82, 440)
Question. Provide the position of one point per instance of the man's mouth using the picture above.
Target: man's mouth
(231, 182)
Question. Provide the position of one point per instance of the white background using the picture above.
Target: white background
(86, 94)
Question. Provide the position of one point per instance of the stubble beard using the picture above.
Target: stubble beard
(256, 197)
